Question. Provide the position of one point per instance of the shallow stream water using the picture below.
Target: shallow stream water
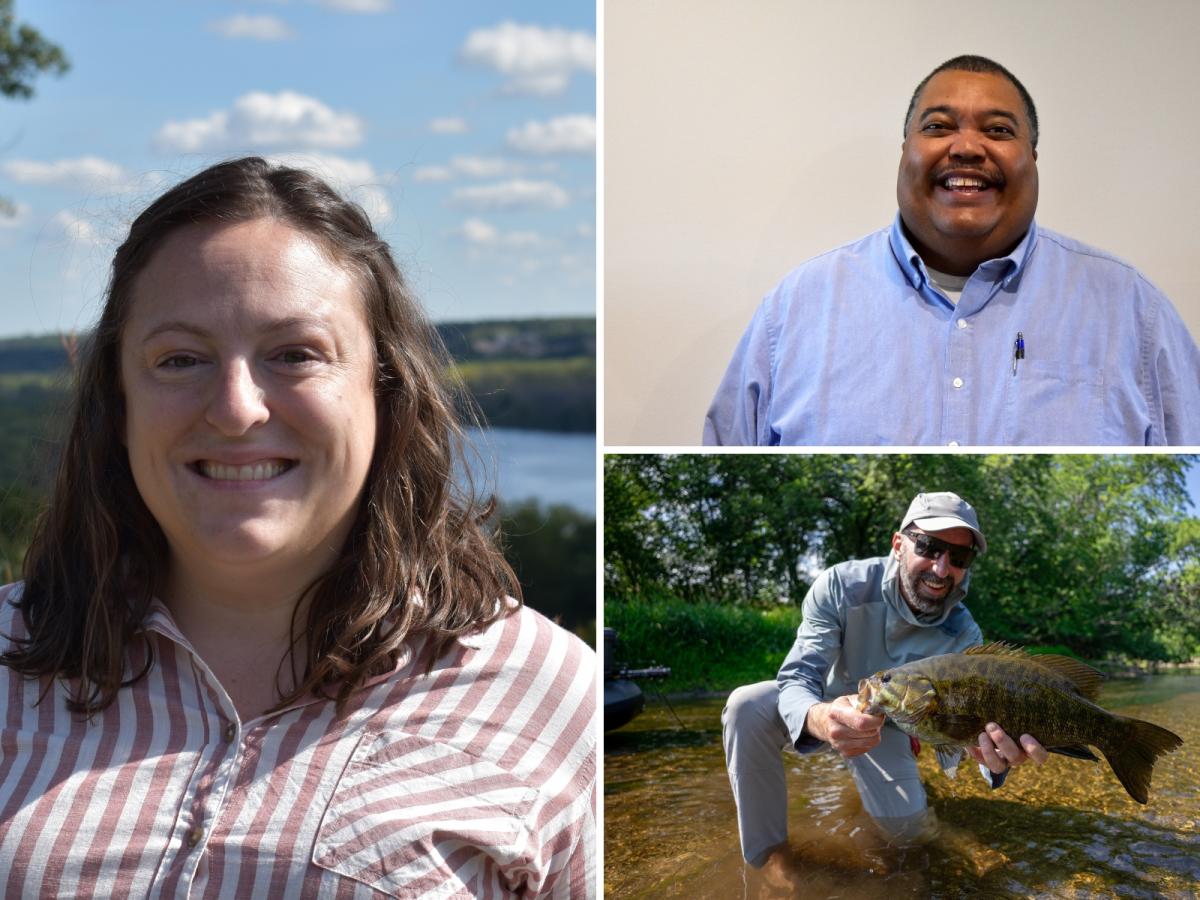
(1066, 829)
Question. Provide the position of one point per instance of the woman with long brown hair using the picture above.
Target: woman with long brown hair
(263, 646)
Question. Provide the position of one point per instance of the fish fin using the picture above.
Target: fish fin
(1085, 679)
(1138, 744)
(998, 648)
(948, 758)
(1075, 751)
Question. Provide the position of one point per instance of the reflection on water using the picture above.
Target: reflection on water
(1065, 829)
(551, 467)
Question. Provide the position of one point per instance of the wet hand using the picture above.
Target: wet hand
(999, 752)
(848, 731)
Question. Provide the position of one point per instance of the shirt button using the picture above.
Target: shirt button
(230, 731)
(194, 836)
(962, 323)
(958, 382)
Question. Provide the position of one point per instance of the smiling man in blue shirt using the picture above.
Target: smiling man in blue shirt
(964, 323)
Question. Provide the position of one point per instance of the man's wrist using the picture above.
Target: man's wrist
(814, 722)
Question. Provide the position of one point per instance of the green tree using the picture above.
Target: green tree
(553, 552)
(1179, 598)
(23, 54)
(19, 507)
(1097, 554)
(633, 561)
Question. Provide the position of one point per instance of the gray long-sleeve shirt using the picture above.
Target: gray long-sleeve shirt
(856, 623)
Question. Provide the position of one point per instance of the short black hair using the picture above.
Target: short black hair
(969, 63)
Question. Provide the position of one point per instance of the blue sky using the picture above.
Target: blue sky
(466, 129)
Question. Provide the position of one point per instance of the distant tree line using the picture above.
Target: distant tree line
(33, 354)
(540, 394)
(532, 374)
(562, 338)
(1096, 554)
(507, 339)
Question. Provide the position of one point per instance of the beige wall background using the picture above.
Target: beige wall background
(741, 139)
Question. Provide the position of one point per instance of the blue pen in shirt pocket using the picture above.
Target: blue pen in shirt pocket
(1018, 349)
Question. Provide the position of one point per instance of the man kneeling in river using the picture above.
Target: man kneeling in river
(859, 617)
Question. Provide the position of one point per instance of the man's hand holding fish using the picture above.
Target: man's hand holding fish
(999, 752)
(846, 728)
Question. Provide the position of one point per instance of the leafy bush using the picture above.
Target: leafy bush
(553, 551)
(708, 647)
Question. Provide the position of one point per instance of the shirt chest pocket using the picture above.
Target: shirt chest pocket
(1055, 403)
(415, 818)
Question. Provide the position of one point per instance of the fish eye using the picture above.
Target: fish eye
(886, 678)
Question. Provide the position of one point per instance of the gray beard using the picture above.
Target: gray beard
(923, 605)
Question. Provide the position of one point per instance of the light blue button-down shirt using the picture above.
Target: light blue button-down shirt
(858, 347)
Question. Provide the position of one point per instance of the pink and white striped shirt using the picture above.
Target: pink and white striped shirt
(477, 780)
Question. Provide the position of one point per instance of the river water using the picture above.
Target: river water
(1065, 829)
(550, 467)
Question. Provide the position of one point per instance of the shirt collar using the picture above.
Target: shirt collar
(1003, 269)
(158, 618)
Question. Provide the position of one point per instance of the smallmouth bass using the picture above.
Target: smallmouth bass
(947, 700)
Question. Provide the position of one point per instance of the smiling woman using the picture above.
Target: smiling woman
(250, 407)
(264, 646)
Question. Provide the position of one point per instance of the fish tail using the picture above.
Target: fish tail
(1132, 754)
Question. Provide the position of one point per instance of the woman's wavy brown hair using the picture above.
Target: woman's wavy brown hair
(98, 555)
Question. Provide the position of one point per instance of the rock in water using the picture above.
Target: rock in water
(947, 700)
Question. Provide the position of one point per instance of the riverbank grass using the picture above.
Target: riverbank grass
(708, 647)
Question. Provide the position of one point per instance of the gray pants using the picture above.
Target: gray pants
(754, 736)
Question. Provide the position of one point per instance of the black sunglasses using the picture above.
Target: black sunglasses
(929, 547)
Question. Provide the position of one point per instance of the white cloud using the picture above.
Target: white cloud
(358, 6)
(426, 174)
(261, 119)
(355, 179)
(477, 231)
(521, 239)
(484, 166)
(76, 228)
(566, 134)
(449, 125)
(255, 28)
(468, 167)
(536, 60)
(509, 195)
(86, 173)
